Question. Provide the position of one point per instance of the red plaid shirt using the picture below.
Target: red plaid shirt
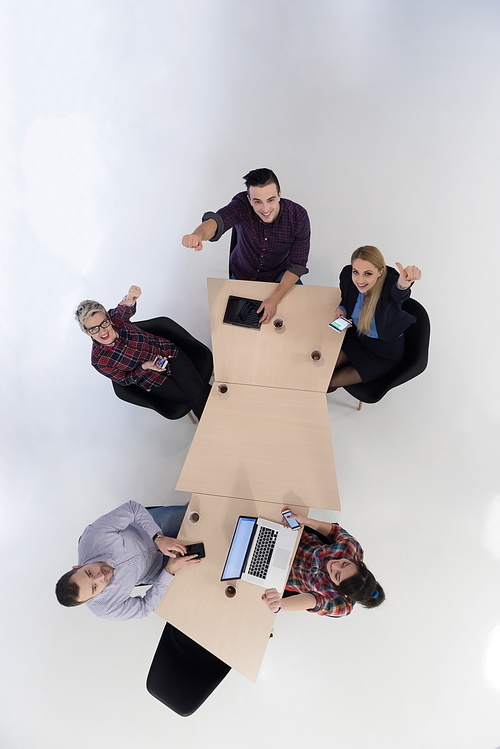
(309, 576)
(121, 361)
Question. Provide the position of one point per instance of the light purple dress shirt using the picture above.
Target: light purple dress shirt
(124, 539)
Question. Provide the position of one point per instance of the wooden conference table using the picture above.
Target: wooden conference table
(270, 357)
(262, 444)
(235, 629)
(268, 437)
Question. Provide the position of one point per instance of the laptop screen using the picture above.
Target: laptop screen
(240, 544)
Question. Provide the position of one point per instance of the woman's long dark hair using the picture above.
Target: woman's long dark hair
(362, 587)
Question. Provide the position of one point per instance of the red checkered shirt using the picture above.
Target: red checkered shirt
(121, 361)
(308, 574)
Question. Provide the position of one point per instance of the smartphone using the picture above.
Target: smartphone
(161, 362)
(196, 549)
(340, 324)
(292, 523)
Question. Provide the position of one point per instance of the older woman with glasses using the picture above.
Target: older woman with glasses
(129, 355)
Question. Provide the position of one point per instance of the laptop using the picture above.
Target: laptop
(260, 553)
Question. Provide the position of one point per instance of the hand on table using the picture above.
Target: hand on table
(174, 565)
(268, 309)
(193, 241)
(133, 295)
(408, 275)
(272, 598)
(170, 546)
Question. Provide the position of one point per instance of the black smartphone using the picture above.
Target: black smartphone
(292, 523)
(196, 549)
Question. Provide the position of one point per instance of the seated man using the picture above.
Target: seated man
(120, 550)
(272, 236)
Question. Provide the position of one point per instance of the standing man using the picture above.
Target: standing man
(273, 236)
(122, 549)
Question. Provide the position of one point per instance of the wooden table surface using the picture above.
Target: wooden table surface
(276, 358)
(237, 629)
(266, 444)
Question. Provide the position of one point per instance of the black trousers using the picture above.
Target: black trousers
(184, 384)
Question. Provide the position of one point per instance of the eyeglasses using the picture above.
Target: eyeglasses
(95, 329)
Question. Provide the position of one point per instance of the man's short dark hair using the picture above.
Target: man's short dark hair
(261, 178)
(67, 591)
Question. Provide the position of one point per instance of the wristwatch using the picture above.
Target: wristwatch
(157, 535)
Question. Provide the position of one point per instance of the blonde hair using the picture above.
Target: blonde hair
(86, 309)
(374, 256)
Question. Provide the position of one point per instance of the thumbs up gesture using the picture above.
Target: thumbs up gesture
(408, 275)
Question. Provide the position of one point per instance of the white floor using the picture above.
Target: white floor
(122, 122)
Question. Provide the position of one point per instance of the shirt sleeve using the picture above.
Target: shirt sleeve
(400, 294)
(335, 606)
(299, 249)
(121, 517)
(231, 214)
(138, 376)
(122, 312)
(138, 607)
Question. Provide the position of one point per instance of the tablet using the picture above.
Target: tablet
(242, 312)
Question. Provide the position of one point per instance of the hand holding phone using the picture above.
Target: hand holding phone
(161, 362)
(196, 549)
(290, 520)
(340, 324)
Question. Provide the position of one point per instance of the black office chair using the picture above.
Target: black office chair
(200, 355)
(414, 361)
(183, 674)
(232, 244)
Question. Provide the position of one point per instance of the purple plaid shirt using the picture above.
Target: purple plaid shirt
(121, 361)
(309, 576)
(263, 251)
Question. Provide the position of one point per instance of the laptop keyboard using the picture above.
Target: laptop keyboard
(262, 552)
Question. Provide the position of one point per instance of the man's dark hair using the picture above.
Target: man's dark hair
(67, 591)
(362, 587)
(261, 178)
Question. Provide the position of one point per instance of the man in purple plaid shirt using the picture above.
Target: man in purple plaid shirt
(273, 236)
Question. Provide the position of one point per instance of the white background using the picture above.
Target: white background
(121, 123)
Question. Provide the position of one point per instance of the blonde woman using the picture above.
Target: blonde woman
(372, 295)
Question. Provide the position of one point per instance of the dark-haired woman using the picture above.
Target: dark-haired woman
(328, 574)
(372, 295)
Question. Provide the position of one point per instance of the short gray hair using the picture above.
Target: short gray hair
(86, 309)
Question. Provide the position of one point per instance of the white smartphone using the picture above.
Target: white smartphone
(161, 362)
(292, 523)
(340, 324)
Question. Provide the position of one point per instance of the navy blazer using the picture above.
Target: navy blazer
(390, 319)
